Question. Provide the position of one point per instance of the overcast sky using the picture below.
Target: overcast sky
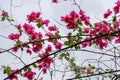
(21, 8)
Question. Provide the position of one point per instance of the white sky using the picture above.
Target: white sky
(93, 8)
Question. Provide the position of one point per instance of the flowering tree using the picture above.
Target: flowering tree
(53, 51)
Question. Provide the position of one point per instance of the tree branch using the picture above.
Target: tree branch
(111, 34)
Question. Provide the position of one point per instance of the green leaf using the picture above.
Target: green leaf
(12, 20)
(34, 65)
(38, 25)
(6, 70)
(3, 18)
(67, 58)
(77, 47)
(51, 73)
(26, 68)
(62, 55)
(18, 43)
(93, 67)
(20, 31)
(89, 65)
(78, 75)
(20, 72)
(110, 76)
(103, 78)
(114, 19)
(72, 60)
(69, 33)
(41, 78)
(68, 43)
(67, 54)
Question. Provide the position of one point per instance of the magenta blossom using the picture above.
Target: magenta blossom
(54, 1)
(33, 16)
(58, 45)
(13, 77)
(37, 48)
(45, 64)
(4, 14)
(36, 35)
(29, 74)
(29, 51)
(49, 48)
(44, 22)
(52, 28)
(106, 14)
(14, 36)
(29, 29)
(116, 8)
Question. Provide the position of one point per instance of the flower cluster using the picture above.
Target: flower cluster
(116, 8)
(71, 20)
(45, 64)
(4, 14)
(84, 18)
(13, 77)
(56, 1)
(98, 34)
(107, 13)
(33, 16)
(74, 20)
(35, 42)
(14, 36)
(29, 74)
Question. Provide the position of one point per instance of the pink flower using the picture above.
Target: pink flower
(69, 37)
(45, 64)
(44, 22)
(70, 20)
(49, 34)
(29, 51)
(29, 75)
(44, 70)
(14, 36)
(49, 48)
(4, 14)
(106, 14)
(54, 1)
(103, 44)
(116, 9)
(33, 16)
(52, 28)
(13, 77)
(118, 3)
(29, 29)
(84, 18)
(89, 70)
(39, 66)
(15, 49)
(118, 39)
(19, 27)
(85, 44)
(118, 24)
(86, 30)
(41, 55)
(81, 12)
(37, 48)
(36, 35)
(58, 45)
